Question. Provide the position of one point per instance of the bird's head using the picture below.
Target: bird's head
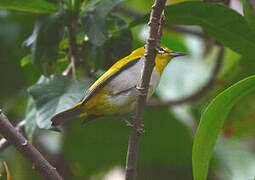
(163, 57)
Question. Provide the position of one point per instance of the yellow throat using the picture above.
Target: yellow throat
(161, 60)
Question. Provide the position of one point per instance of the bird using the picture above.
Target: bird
(114, 93)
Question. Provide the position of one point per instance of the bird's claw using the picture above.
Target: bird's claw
(140, 130)
(129, 124)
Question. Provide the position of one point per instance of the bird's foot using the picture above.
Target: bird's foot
(129, 124)
(140, 130)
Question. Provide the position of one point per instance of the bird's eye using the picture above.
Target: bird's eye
(161, 50)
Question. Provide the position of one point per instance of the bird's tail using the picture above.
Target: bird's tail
(66, 115)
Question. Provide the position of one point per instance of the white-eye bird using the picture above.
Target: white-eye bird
(115, 91)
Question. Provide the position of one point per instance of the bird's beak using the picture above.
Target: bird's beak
(176, 54)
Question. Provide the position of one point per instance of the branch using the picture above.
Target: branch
(20, 128)
(210, 83)
(27, 150)
(142, 89)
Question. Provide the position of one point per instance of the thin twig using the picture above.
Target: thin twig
(19, 127)
(142, 89)
(8, 174)
(194, 96)
(67, 70)
(15, 138)
(73, 55)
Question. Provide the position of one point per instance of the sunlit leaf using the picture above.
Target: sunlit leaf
(33, 6)
(25, 61)
(212, 122)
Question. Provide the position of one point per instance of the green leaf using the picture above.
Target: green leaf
(44, 41)
(94, 16)
(249, 13)
(54, 95)
(220, 22)
(33, 6)
(30, 119)
(174, 41)
(103, 143)
(212, 122)
(31, 111)
(240, 122)
(179, 1)
(138, 21)
(166, 139)
(120, 37)
(100, 8)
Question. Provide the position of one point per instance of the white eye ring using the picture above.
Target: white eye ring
(161, 50)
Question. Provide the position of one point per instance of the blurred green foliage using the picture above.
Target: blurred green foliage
(37, 6)
(249, 13)
(35, 49)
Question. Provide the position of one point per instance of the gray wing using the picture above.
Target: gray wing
(127, 78)
(117, 82)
